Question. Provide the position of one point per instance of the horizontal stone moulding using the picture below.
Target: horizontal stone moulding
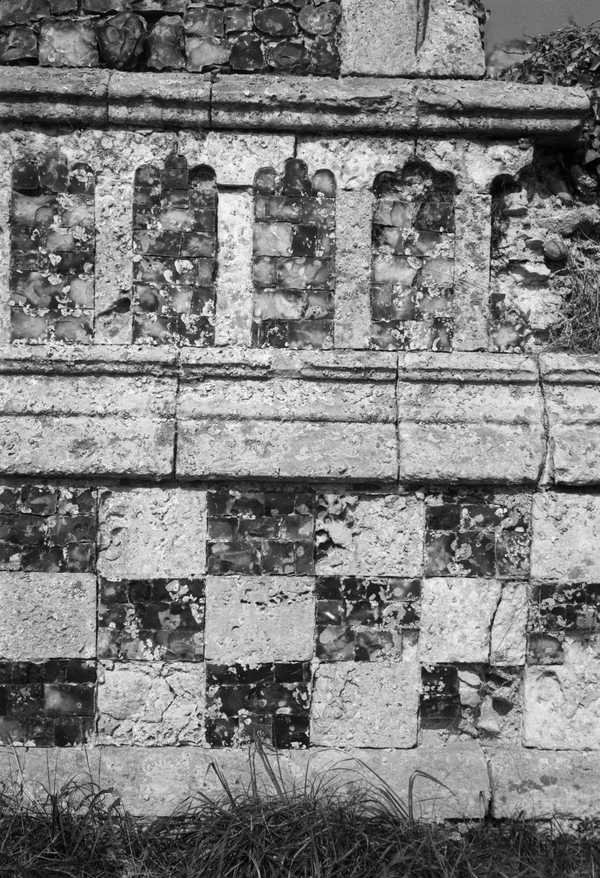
(544, 784)
(251, 102)
(572, 395)
(470, 418)
(326, 415)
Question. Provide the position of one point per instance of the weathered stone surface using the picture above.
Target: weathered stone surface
(252, 620)
(369, 535)
(572, 394)
(152, 532)
(566, 530)
(472, 269)
(236, 160)
(562, 704)
(18, 44)
(151, 704)
(509, 627)
(54, 95)
(456, 619)
(68, 43)
(156, 780)
(360, 704)
(47, 615)
(498, 108)
(270, 102)
(82, 425)
(355, 162)
(170, 98)
(468, 418)
(493, 109)
(121, 40)
(543, 785)
(287, 426)
(378, 39)
(451, 43)
(166, 44)
(234, 280)
(352, 314)
(298, 449)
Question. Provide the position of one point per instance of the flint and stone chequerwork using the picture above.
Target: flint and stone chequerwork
(284, 453)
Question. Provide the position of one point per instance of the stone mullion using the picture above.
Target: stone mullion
(354, 211)
(114, 254)
(472, 270)
(234, 277)
(5, 196)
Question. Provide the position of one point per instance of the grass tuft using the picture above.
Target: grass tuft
(347, 823)
(578, 330)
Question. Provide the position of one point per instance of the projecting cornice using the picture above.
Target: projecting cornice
(99, 99)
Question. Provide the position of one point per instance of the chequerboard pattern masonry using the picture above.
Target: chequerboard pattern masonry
(284, 455)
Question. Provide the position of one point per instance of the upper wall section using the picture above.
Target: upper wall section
(307, 37)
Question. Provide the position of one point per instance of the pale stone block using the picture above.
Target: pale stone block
(114, 255)
(235, 158)
(365, 704)
(543, 784)
(379, 38)
(565, 539)
(475, 164)
(355, 161)
(451, 43)
(234, 277)
(86, 446)
(562, 702)
(370, 536)
(47, 615)
(469, 417)
(215, 447)
(148, 533)
(86, 424)
(156, 780)
(473, 229)
(509, 627)
(354, 216)
(151, 703)
(290, 399)
(572, 394)
(456, 619)
(5, 197)
(258, 619)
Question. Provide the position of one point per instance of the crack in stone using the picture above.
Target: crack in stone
(546, 473)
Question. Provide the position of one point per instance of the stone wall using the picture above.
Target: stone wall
(284, 453)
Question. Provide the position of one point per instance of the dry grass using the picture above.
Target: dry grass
(322, 830)
(579, 328)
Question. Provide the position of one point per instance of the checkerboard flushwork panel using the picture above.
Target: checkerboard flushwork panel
(186, 617)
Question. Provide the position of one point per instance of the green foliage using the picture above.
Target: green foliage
(568, 56)
(346, 824)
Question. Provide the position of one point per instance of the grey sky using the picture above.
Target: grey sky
(512, 19)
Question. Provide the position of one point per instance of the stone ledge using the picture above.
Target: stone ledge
(241, 102)
(543, 784)
(155, 780)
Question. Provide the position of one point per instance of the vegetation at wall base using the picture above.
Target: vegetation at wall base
(327, 828)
